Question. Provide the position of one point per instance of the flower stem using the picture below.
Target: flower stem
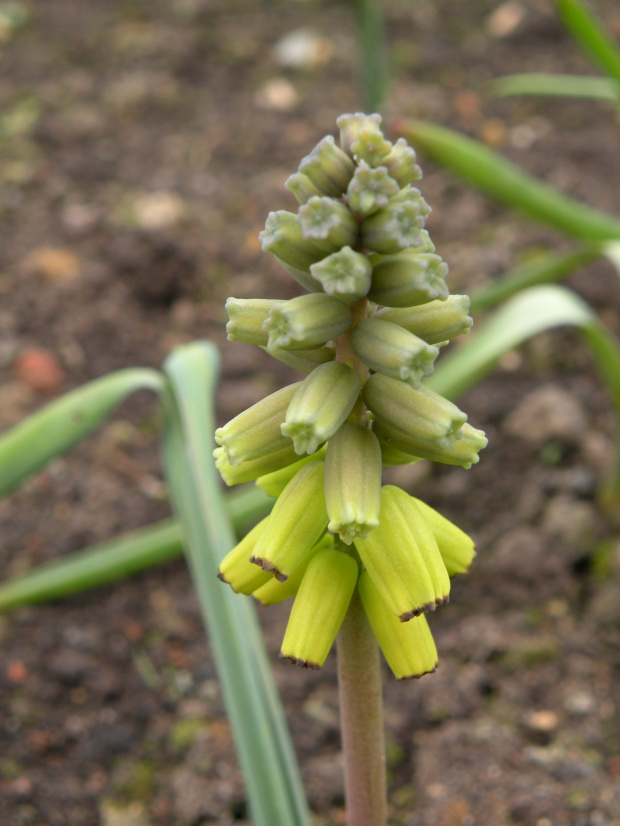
(361, 720)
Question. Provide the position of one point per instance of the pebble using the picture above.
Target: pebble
(543, 721)
(159, 210)
(39, 370)
(302, 49)
(55, 264)
(573, 522)
(505, 19)
(277, 94)
(547, 413)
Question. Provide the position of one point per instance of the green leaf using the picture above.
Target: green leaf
(541, 269)
(120, 557)
(372, 53)
(591, 35)
(259, 727)
(507, 183)
(574, 86)
(529, 313)
(63, 423)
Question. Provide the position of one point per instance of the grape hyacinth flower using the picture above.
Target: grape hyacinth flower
(366, 335)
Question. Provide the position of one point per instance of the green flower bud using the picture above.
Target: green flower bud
(403, 560)
(391, 456)
(408, 279)
(251, 470)
(319, 608)
(344, 274)
(237, 570)
(306, 322)
(353, 482)
(435, 321)
(401, 163)
(456, 548)
(256, 431)
(322, 404)
(351, 127)
(304, 360)
(282, 238)
(464, 452)
(247, 316)
(370, 189)
(274, 592)
(389, 349)
(302, 187)
(422, 419)
(328, 223)
(398, 225)
(296, 523)
(370, 145)
(408, 648)
(328, 167)
(274, 483)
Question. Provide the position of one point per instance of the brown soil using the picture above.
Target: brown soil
(110, 710)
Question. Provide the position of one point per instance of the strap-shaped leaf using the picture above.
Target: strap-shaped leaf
(63, 423)
(542, 269)
(507, 183)
(259, 728)
(591, 35)
(529, 313)
(574, 86)
(120, 557)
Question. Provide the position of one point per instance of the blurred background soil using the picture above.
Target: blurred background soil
(141, 147)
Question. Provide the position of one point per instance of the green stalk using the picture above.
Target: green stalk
(590, 33)
(121, 557)
(372, 53)
(361, 720)
(359, 675)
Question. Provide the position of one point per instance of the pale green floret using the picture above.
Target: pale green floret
(408, 279)
(353, 482)
(296, 523)
(370, 189)
(435, 321)
(344, 274)
(328, 223)
(274, 483)
(389, 349)
(304, 360)
(282, 237)
(463, 453)
(408, 647)
(274, 592)
(306, 322)
(256, 431)
(237, 570)
(321, 405)
(401, 163)
(424, 419)
(371, 146)
(404, 564)
(247, 316)
(457, 549)
(252, 469)
(319, 608)
(328, 167)
(302, 187)
(397, 226)
(351, 126)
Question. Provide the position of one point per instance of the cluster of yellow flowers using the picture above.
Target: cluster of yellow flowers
(367, 333)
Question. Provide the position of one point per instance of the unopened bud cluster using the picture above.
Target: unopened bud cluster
(366, 334)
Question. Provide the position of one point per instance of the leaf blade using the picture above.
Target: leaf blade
(507, 183)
